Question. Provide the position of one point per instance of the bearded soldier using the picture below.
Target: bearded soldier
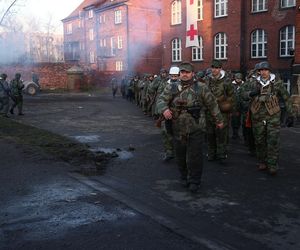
(264, 95)
(221, 87)
(182, 103)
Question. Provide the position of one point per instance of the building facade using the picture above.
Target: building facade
(240, 33)
(115, 35)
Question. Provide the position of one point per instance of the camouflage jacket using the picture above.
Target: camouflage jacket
(221, 87)
(16, 87)
(271, 88)
(4, 89)
(180, 98)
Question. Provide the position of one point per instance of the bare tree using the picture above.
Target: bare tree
(7, 11)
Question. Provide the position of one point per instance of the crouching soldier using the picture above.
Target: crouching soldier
(182, 103)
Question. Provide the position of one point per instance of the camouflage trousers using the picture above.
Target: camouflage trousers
(235, 124)
(4, 105)
(266, 132)
(248, 134)
(189, 157)
(18, 103)
(167, 141)
(217, 138)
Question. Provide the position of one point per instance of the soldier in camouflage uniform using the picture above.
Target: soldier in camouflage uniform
(153, 90)
(167, 137)
(16, 86)
(181, 103)
(221, 87)
(236, 114)
(146, 98)
(4, 95)
(264, 95)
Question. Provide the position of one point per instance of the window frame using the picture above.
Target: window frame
(176, 12)
(197, 52)
(176, 50)
(289, 4)
(199, 10)
(91, 34)
(263, 43)
(119, 65)
(118, 16)
(220, 49)
(284, 31)
(257, 3)
(69, 28)
(219, 7)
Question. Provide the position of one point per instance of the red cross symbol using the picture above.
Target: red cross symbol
(191, 2)
(192, 32)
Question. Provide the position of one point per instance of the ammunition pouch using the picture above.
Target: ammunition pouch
(169, 127)
(194, 112)
(255, 105)
(272, 105)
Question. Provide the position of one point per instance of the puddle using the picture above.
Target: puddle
(87, 138)
(121, 154)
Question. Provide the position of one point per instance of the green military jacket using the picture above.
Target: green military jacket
(270, 92)
(221, 87)
(16, 87)
(180, 98)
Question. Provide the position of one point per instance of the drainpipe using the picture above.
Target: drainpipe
(127, 38)
(243, 42)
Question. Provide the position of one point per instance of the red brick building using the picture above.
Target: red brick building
(115, 35)
(240, 33)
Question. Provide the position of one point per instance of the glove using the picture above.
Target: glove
(289, 121)
(254, 93)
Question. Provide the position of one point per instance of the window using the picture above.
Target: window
(69, 28)
(220, 46)
(176, 50)
(102, 19)
(81, 46)
(258, 44)
(91, 34)
(120, 42)
(91, 14)
(118, 16)
(92, 57)
(288, 3)
(197, 52)
(119, 65)
(221, 8)
(287, 40)
(112, 47)
(200, 10)
(259, 5)
(176, 12)
(102, 42)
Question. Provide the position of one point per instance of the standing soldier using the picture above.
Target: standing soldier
(264, 94)
(236, 114)
(153, 88)
(114, 86)
(4, 94)
(146, 98)
(17, 86)
(136, 90)
(166, 135)
(221, 87)
(181, 103)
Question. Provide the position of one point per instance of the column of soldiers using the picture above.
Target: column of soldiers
(192, 108)
(11, 91)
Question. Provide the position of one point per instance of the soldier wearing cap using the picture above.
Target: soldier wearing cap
(182, 103)
(264, 95)
(4, 95)
(153, 89)
(221, 86)
(236, 114)
(17, 86)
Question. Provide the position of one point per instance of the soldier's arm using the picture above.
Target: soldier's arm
(210, 102)
(286, 97)
(164, 99)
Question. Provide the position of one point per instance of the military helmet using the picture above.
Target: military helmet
(163, 71)
(256, 67)
(186, 66)
(264, 65)
(174, 70)
(3, 76)
(17, 75)
(200, 74)
(238, 76)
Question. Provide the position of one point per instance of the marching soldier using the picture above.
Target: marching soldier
(221, 87)
(17, 86)
(182, 103)
(264, 95)
(4, 95)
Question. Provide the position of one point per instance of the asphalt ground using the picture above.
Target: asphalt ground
(237, 207)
